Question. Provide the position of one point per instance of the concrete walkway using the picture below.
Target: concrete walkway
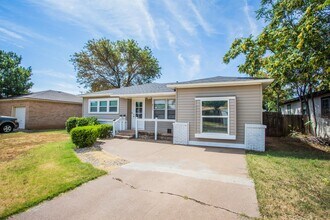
(162, 181)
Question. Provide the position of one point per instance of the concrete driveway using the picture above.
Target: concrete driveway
(162, 181)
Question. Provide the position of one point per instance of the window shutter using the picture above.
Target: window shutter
(232, 116)
(198, 116)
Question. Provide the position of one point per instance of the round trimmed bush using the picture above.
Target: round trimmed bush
(82, 122)
(104, 130)
(71, 123)
(84, 136)
(92, 120)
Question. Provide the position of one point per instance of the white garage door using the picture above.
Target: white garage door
(20, 115)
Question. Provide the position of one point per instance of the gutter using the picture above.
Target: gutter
(222, 84)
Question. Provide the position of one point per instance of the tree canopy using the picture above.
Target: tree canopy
(293, 48)
(14, 79)
(103, 64)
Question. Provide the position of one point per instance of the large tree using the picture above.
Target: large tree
(293, 48)
(103, 64)
(14, 79)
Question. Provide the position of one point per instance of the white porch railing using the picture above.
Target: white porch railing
(156, 120)
(119, 124)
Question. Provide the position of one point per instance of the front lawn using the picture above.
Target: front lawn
(292, 182)
(38, 166)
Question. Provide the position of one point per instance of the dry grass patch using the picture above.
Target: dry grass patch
(41, 173)
(292, 180)
(14, 144)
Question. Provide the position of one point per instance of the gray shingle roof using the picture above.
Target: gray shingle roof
(138, 89)
(216, 79)
(52, 96)
(163, 87)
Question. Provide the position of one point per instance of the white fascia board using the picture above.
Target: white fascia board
(222, 84)
(157, 94)
(96, 95)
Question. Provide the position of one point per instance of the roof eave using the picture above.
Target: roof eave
(264, 82)
(146, 94)
(95, 95)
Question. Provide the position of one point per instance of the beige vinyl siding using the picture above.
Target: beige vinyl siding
(150, 126)
(248, 108)
(122, 109)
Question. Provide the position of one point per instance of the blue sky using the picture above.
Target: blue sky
(188, 37)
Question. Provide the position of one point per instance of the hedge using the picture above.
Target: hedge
(73, 122)
(84, 136)
(104, 130)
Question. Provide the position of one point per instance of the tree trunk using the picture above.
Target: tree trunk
(278, 103)
(314, 114)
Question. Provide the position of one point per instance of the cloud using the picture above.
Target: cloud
(122, 19)
(12, 32)
(54, 74)
(207, 28)
(178, 15)
(190, 65)
(252, 24)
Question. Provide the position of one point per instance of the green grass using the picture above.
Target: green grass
(291, 184)
(41, 173)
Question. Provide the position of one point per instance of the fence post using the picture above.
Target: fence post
(156, 125)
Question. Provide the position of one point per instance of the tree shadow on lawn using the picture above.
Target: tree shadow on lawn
(291, 147)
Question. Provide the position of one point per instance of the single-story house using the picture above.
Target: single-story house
(322, 110)
(209, 112)
(42, 110)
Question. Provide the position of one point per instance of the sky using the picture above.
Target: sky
(188, 37)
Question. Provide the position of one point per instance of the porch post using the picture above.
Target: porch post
(136, 127)
(156, 128)
(114, 128)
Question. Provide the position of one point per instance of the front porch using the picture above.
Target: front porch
(147, 117)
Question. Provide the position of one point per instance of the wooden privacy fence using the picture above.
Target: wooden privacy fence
(282, 125)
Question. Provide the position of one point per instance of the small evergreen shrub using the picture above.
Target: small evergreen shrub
(71, 123)
(92, 121)
(104, 130)
(82, 122)
(84, 136)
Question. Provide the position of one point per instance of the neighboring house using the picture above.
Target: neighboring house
(211, 112)
(42, 110)
(322, 110)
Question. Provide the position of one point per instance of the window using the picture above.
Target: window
(104, 105)
(215, 116)
(164, 108)
(304, 108)
(93, 106)
(113, 106)
(288, 108)
(325, 107)
(171, 109)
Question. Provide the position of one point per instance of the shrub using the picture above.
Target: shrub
(71, 123)
(82, 122)
(84, 136)
(104, 130)
(92, 121)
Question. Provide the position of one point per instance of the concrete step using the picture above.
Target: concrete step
(123, 136)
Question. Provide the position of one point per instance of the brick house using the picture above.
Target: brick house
(42, 110)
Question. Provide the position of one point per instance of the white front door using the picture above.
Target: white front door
(138, 111)
(20, 115)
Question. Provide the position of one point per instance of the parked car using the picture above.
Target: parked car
(8, 124)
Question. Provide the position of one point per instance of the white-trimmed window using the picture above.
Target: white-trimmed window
(164, 108)
(110, 105)
(215, 117)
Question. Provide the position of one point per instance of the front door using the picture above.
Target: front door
(20, 115)
(138, 110)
